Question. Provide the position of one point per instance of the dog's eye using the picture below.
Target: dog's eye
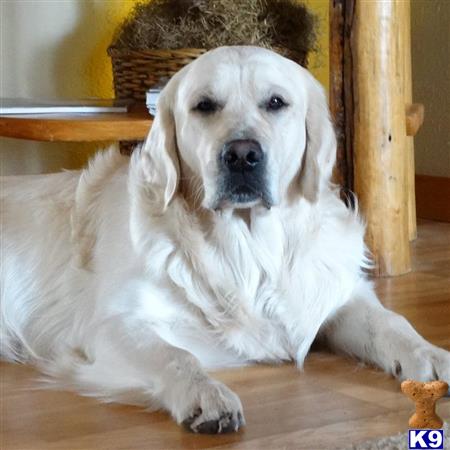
(206, 106)
(275, 103)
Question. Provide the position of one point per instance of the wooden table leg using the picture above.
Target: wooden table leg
(380, 146)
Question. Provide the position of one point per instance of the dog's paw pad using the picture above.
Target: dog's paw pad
(227, 423)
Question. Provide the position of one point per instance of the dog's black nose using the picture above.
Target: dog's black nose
(242, 154)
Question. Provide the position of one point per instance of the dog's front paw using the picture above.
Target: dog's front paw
(424, 363)
(214, 409)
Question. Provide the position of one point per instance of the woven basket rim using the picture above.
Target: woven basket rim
(130, 51)
(122, 51)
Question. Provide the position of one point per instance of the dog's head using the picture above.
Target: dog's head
(238, 127)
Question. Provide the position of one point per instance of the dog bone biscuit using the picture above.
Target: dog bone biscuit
(425, 396)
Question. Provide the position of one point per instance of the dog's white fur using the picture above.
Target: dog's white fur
(122, 282)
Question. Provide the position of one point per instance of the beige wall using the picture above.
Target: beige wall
(51, 49)
(430, 34)
(28, 54)
(32, 43)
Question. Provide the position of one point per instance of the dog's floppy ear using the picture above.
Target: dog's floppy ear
(159, 154)
(320, 151)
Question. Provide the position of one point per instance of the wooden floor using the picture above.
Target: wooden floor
(332, 404)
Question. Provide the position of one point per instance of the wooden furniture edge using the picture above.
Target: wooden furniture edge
(77, 128)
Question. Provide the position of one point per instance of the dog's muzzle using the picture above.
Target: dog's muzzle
(243, 170)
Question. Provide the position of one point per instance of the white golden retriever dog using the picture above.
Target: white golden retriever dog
(220, 243)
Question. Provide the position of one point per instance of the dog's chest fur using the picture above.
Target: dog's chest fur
(256, 288)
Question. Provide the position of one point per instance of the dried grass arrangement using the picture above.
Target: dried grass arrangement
(206, 24)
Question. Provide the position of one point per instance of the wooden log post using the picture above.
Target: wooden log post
(341, 90)
(341, 174)
(380, 148)
(405, 33)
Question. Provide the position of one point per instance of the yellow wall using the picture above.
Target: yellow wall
(105, 18)
(319, 62)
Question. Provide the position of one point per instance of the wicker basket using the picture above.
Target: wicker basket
(136, 71)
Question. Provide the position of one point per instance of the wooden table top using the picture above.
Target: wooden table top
(132, 125)
(77, 127)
